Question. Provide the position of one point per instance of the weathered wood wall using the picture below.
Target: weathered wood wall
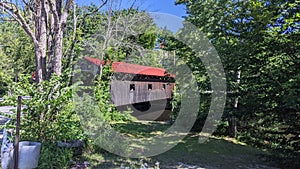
(129, 92)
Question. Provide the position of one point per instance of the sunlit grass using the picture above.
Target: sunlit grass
(215, 152)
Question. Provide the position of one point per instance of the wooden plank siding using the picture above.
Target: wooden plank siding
(130, 92)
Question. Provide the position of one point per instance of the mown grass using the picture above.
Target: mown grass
(213, 153)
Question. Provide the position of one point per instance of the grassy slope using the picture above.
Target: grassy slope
(214, 153)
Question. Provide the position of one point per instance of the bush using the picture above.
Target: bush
(54, 115)
(53, 156)
(49, 117)
(96, 112)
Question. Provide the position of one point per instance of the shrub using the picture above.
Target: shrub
(48, 117)
(53, 156)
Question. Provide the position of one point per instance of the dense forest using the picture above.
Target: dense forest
(257, 42)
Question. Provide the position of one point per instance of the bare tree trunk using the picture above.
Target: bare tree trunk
(174, 57)
(232, 126)
(107, 38)
(38, 61)
(50, 43)
(41, 37)
(57, 59)
(232, 118)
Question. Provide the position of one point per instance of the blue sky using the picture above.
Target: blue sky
(162, 6)
(165, 6)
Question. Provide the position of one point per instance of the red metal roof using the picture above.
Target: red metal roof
(122, 67)
(94, 60)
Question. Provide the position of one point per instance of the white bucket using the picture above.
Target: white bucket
(29, 153)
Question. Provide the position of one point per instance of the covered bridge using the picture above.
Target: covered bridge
(133, 83)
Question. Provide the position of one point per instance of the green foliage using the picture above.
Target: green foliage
(49, 117)
(185, 55)
(52, 156)
(15, 54)
(96, 122)
(176, 102)
(148, 39)
(96, 112)
(259, 39)
(50, 114)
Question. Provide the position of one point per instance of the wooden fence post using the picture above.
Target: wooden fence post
(17, 139)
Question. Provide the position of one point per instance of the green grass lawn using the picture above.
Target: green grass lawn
(216, 152)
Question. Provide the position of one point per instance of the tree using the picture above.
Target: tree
(120, 34)
(256, 41)
(44, 21)
(16, 54)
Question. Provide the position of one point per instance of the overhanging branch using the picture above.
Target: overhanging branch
(13, 11)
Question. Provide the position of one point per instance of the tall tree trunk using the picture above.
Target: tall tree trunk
(41, 37)
(57, 59)
(232, 118)
(38, 65)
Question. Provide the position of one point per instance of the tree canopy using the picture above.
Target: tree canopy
(257, 42)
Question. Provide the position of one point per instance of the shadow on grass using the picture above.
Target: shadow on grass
(284, 158)
(214, 153)
(142, 129)
(189, 153)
